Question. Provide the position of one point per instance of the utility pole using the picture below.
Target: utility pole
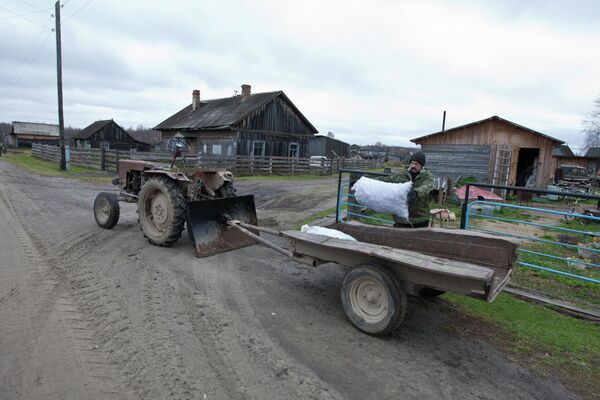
(61, 121)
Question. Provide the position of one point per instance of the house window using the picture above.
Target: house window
(258, 148)
(216, 149)
(293, 150)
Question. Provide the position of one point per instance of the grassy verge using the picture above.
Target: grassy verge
(548, 342)
(48, 168)
(319, 215)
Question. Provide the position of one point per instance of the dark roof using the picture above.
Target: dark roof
(147, 136)
(493, 118)
(593, 152)
(91, 129)
(223, 113)
(563, 151)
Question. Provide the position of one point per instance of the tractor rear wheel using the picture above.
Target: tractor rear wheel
(162, 209)
(106, 210)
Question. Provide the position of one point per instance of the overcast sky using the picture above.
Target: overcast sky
(368, 71)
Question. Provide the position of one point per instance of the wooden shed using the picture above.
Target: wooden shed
(259, 125)
(109, 135)
(563, 156)
(25, 133)
(493, 150)
(325, 146)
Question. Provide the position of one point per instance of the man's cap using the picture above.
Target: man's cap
(419, 157)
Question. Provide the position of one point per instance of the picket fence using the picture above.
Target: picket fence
(108, 160)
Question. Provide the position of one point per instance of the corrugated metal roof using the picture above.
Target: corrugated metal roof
(91, 129)
(222, 113)
(493, 118)
(34, 128)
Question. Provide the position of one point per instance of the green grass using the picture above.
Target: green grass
(316, 216)
(514, 213)
(554, 285)
(550, 342)
(49, 168)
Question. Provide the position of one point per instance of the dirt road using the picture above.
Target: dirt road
(87, 313)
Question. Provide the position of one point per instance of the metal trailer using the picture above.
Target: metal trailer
(386, 264)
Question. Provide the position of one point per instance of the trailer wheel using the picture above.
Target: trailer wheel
(373, 299)
(161, 210)
(106, 210)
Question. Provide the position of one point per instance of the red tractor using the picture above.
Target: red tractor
(168, 198)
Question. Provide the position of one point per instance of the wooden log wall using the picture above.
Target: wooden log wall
(499, 132)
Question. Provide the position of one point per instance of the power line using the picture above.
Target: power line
(31, 5)
(28, 61)
(79, 9)
(22, 17)
(20, 36)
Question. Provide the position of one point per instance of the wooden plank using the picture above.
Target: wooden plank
(470, 246)
(404, 257)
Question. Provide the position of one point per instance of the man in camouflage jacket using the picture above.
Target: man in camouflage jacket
(418, 198)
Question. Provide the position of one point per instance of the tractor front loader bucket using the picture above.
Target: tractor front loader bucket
(208, 228)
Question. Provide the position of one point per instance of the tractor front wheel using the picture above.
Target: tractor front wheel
(162, 210)
(106, 210)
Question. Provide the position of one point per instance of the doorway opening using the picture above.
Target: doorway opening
(527, 167)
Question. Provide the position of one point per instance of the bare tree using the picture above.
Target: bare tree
(591, 126)
(330, 135)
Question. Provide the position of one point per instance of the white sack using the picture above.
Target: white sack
(319, 230)
(383, 197)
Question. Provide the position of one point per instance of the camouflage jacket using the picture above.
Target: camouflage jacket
(422, 185)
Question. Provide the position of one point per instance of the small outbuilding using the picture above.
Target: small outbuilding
(25, 133)
(257, 125)
(321, 145)
(493, 150)
(109, 135)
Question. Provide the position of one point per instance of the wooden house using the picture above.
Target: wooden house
(259, 125)
(109, 135)
(493, 150)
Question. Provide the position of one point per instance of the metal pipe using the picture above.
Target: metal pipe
(263, 241)
(258, 228)
(534, 190)
(444, 122)
(337, 207)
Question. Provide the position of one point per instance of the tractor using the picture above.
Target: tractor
(170, 197)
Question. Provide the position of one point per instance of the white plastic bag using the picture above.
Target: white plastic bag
(319, 230)
(383, 197)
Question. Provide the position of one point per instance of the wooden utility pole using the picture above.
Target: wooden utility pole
(61, 121)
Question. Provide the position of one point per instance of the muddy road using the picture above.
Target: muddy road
(87, 313)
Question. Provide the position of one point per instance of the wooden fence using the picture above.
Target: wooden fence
(108, 160)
